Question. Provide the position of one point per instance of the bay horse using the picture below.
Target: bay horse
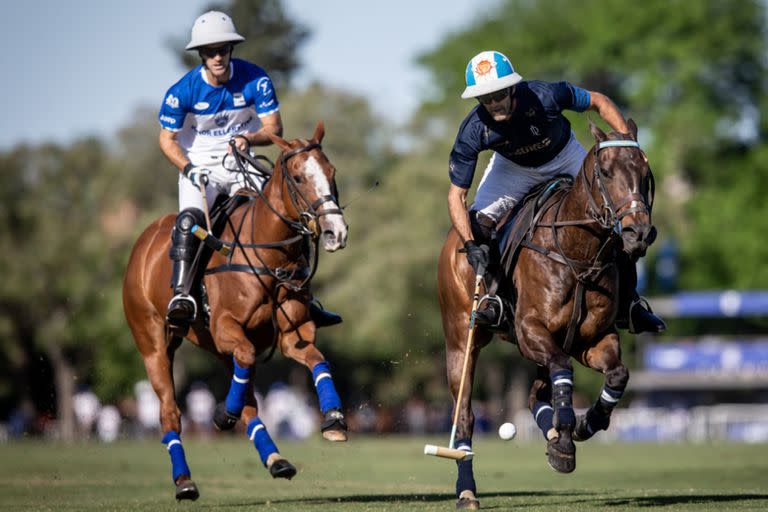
(258, 295)
(565, 285)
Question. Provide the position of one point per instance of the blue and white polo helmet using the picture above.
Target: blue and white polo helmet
(488, 72)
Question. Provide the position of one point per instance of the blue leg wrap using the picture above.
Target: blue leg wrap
(172, 441)
(466, 478)
(326, 392)
(236, 396)
(562, 391)
(543, 414)
(257, 433)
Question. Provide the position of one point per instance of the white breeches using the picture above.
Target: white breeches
(505, 183)
(220, 181)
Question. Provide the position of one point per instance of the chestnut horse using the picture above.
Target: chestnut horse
(258, 296)
(565, 279)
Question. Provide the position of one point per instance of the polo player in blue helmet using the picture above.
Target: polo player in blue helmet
(521, 121)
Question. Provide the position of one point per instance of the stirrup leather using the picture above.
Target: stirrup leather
(497, 299)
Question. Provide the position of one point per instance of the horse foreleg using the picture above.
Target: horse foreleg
(537, 345)
(297, 341)
(604, 357)
(159, 366)
(540, 403)
(229, 333)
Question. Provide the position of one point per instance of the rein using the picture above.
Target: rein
(608, 218)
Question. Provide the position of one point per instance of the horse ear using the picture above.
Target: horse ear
(279, 141)
(319, 132)
(632, 128)
(597, 132)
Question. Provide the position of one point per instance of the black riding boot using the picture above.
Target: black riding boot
(182, 309)
(634, 312)
(491, 309)
(321, 316)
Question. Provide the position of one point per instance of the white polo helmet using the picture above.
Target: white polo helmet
(213, 27)
(489, 72)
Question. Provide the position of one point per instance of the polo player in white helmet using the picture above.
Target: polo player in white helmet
(221, 99)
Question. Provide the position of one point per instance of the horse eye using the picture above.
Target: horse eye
(296, 178)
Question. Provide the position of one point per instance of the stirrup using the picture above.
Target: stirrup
(497, 299)
(182, 297)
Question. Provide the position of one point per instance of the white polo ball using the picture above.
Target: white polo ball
(507, 431)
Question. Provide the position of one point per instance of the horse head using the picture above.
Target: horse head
(308, 183)
(621, 187)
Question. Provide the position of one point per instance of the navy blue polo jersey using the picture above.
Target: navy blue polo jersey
(534, 135)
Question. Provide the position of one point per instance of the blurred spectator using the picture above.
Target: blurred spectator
(147, 408)
(415, 415)
(286, 413)
(87, 406)
(108, 425)
(200, 406)
(21, 419)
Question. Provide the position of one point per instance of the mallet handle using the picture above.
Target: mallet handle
(470, 337)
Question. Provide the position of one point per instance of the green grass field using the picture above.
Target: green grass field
(382, 474)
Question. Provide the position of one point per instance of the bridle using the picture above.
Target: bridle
(610, 215)
(308, 213)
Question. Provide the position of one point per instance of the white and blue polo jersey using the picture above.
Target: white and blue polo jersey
(207, 116)
(536, 132)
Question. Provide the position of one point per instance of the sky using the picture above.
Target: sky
(83, 67)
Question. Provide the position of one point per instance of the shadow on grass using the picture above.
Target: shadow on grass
(578, 497)
(402, 498)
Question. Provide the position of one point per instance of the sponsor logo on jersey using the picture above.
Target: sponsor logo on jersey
(533, 147)
(238, 99)
(172, 101)
(238, 128)
(264, 85)
(535, 130)
(531, 112)
(221, 119)
(202, 105)
(168, 120)
(265, 104)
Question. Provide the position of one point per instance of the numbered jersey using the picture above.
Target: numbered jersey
(207, 116)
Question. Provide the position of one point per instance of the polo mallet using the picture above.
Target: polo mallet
(450, 452)
(205, 234)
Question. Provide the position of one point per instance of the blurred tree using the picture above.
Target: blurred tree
(272, 40)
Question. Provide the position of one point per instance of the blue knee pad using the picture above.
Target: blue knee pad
(172, 441)
(326, 392)
(466, 478)
(257, 433)
(236, 396)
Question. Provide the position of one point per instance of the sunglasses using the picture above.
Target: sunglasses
(487, 99)
(213, 52)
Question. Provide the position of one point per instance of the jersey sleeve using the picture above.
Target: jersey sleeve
(463, 160)
(568, 96)
(174, 109)
(264, 95)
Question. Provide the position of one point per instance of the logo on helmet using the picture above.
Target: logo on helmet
(483, 67)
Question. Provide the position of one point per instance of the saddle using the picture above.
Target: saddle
(516, 227)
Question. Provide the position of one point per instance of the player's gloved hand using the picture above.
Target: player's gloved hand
(197, 175)
(477, 255)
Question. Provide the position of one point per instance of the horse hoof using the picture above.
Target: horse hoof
(561, 453)
(187, 490)
(334, 428)
(281, 468)
(223, 419)
(467, 501)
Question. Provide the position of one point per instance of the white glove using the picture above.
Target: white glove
(197, 175)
